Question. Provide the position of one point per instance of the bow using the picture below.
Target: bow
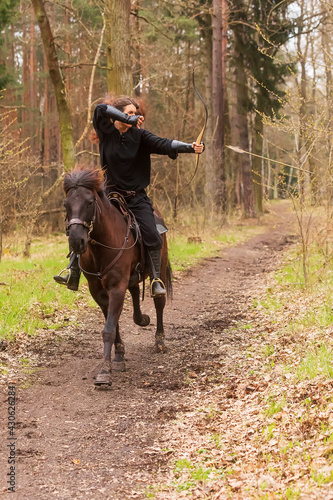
(201, 134)
(199, 138)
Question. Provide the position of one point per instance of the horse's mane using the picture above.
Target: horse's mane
(88, 178)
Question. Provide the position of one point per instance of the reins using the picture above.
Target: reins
(94, 242)
(117, 257)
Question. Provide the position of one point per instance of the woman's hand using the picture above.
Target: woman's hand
(140, 121)
(198, 148)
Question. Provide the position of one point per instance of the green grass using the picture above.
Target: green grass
(268, 350)
(29, 298)
(292, 494)
(316, 363)
(268, 431)
(308, 308)
(274, 406)
(317, 312)
(322, 477)
(194, 473)
(184, 254)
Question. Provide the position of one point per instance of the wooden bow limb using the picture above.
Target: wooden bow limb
(201, 134)
(199, 138)
(241, 151)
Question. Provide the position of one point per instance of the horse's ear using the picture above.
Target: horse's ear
(101, 177)
(67, 183)
(101, 193)
(101, 187)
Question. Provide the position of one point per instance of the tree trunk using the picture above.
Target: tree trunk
(257, 162)
(135, 25)
(244, 160)
(26, 80)
(269, 189)
(33, 81)
(45, 125)
(324, 181)
(209, 153)
(218, 108)
(229, 166)
(118, 44)
(275, 188)
(65, 121)
(302, 96)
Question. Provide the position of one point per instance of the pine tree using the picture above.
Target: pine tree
(260, 46)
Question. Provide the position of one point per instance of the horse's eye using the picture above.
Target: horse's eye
(90, 203)
(64, 203)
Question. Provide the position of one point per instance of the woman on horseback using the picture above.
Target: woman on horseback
(125, 151)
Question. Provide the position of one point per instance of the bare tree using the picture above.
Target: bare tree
(219, 195)
(65, 119)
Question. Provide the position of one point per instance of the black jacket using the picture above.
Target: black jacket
(126, 157)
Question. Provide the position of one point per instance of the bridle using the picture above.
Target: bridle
(80, 222)
(89, 226)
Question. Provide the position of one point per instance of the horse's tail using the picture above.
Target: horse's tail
(168, 281)
(166, 271)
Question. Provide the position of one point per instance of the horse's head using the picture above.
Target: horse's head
(81, 188)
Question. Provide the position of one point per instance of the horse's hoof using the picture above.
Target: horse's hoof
(118, 366)
(160, 347)
(103, 378)
(143, 321)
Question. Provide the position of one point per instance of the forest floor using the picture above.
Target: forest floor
(192, 422)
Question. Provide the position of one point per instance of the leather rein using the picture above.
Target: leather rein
(90, 227)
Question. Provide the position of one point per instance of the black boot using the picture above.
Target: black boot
(157, 288)
(71, 279)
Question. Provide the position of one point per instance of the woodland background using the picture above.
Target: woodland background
(263, 67)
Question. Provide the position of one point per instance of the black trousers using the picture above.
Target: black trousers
(142, 208)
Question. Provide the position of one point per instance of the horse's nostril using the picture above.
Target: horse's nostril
(77, 244)
(80, 245)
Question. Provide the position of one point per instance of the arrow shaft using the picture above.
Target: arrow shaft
(270, 159)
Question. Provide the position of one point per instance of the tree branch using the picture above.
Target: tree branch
(91, 83)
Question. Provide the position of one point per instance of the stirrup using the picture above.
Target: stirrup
(160, 294)
(66, 270)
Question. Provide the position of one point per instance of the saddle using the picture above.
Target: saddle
(119, 198)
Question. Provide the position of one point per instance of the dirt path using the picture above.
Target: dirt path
(75, 442)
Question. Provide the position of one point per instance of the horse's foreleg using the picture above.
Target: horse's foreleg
(116, 300)
(100, 295)
(159, 334)
(138, 318)
(119, 358)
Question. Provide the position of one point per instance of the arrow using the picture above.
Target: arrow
(241, 151)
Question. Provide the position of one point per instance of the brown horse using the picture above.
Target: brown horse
(109, 256)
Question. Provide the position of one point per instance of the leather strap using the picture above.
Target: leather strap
(119, 254)
(79, 222)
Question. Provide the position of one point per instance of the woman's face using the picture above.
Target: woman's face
(130, 109)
